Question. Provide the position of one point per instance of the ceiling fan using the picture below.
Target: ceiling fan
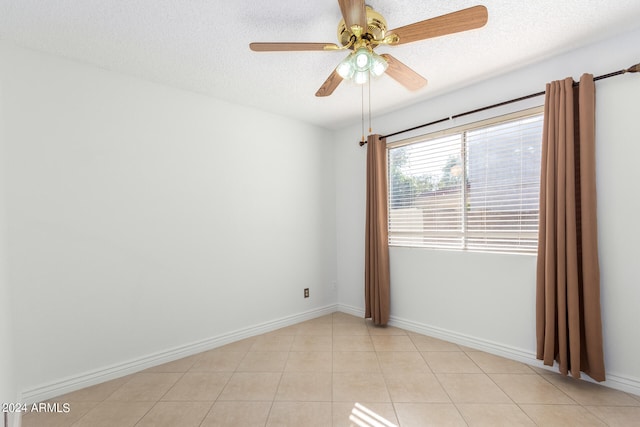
(362, 29)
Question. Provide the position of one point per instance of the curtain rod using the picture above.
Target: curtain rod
(633, 69)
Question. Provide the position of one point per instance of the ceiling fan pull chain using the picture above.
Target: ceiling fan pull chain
(362, 115)
(369, 103)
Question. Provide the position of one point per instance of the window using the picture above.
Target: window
(474, 187)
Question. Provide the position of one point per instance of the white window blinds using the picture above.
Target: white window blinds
(475, 187)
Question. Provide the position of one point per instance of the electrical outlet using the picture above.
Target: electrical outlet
(306, 292)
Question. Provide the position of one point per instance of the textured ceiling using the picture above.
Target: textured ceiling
(202, 45)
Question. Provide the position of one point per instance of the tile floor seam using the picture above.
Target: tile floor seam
(586, 408)
(146, 413)
(421, 353)
(266, 420)
(575, 403)
(501, 389)
(455, 405)
(105, 399)
(222, 389)
(80, 419)
(595, 415)
(474, 362)
(154, 405)
(526, 414)
(116, 390)
(633, 397)
(219, 394)
(558, 388)
(171, 387)
(582, 408)
(208, 412)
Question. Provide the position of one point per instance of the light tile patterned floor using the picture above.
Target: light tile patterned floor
(314, 373)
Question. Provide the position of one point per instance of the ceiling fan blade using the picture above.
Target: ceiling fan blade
(277, 47)
(403, 74)
(354, 13)
(462, 20)
(330, 84)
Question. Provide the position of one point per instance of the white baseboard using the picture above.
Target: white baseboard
(97, 376)
(348, 309)
(615, 381)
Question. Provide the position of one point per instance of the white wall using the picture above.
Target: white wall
(144, 218)
(488, 300)
(617, 133)
(8, 390)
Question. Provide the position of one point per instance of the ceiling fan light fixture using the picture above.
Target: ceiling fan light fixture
(346, 69)
(361, 77)
(360, 65)
(378, 65)
(362, 59)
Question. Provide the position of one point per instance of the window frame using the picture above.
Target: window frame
(463, 233)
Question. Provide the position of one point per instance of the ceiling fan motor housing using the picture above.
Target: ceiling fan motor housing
(376, 28)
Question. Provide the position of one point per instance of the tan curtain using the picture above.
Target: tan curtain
(376, 263)
(569, 328)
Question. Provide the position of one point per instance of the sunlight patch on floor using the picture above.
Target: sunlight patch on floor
(362, 416)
